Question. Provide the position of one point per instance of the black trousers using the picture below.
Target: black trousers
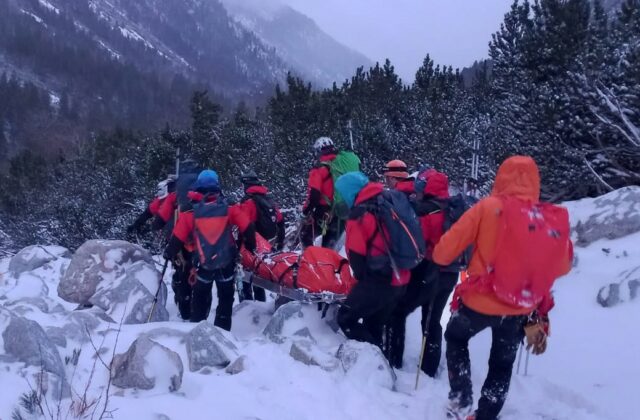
(428, 288)
(507, 333)
(372, 304)
(182, 288)
(253, 293)
(201, 298)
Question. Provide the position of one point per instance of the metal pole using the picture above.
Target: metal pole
(350, 134)
(155, 299)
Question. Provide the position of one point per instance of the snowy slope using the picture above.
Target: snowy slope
(589, 372)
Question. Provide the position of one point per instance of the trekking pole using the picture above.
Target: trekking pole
(425, 335)
(155, 299)
(526, 363)
(519, 358)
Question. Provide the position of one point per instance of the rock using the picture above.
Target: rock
(57, 335)
(148, 365)
(34, 257)
(25, 341)
(634, 288)
(207, 346)
(306, 352)
(238, 366)
(285, 314)
(28, 304)
(29, 285)
(305, 333)
(95, 262)
(617, 214)
(130, 296)
(609, 296)
(365, 363)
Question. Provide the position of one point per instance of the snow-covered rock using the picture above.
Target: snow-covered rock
(610, 216)
(148, 365)
(364, 362)
(622, 291)
(305, 351)
(95, 262)
(34, 257)
(207, 346)
(286, 315)
(130, 297)
(25, 341)
(237, 366)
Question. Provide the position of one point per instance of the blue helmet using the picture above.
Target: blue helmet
(207, 180)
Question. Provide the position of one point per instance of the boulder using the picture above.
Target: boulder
(624, 290)
(304, 351)
(238, 366)
(617, 214)
(96, 262)
(365, 363)
(147, 365)
(34, 257)
(207, 346)
(25, 341)
(130, 297)
(286, 315)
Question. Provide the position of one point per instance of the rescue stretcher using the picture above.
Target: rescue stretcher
(315, 275)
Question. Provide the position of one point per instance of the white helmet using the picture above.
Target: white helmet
(322, 143)
(165, 186)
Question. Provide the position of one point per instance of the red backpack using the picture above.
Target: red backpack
(531, 252)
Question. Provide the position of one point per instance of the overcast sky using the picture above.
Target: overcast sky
(454, 32)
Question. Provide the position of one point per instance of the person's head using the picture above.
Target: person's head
(166, 186)
(207, 182)
(395, 171)
(324, 146)
(518, 176)
(249, 179)
(349, 186)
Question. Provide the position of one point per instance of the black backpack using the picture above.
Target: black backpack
(187, 176)
(393, 211)
(453, 209)
(267, 215)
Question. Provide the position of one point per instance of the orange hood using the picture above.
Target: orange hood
(518, 176)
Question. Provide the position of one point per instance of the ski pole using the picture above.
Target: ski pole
(526, 363)
(155, 299)
(519, 358)
(425, 335)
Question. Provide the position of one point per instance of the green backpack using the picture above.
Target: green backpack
(345, 162)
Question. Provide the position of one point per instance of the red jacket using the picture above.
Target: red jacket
(249, 206)
(406, 187)
(167, 208)
(429, 213)
(364, 243)
(320, 185)
(154, 206)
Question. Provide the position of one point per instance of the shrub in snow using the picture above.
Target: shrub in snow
(147, 365)
(365, 363)
(95, 262)
(130, 296)
(614, 216)
(35, 256)
(208, 346)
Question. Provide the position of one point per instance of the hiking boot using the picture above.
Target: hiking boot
(456, 412)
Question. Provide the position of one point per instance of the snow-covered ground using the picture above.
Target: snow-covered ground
(590, 370)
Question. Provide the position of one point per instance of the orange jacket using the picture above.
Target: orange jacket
(517, 177)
